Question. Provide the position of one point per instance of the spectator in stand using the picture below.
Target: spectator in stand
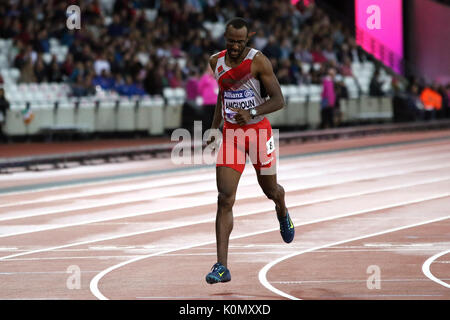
(272, 49)
(26, 34)
(104, 80)
(355, 52)
(27, 73)
(191, 110)
(129, 88)
(21, 58)
(175, 76)
(77, 70)
(317, 75)
(175, 49)
(208, 89)
(134, 66)
(296, 70)
(341, 93)
(4, 107)
(260, 40)
(195, 49)
(284, 72)
(328, 100)
(40, 70)
(432, 101)
(375, 86)
(67, 66)
(338, 35)
(303, 54)
(344, 53)
(317, 54)
(101, 64)
(441, 113)
(154, 80)
(286, 49)
(53, 71)
(447, 110)
(346, 68)
(328, 52)
(82, 87)
(85, 54)
(116, 29)
(42, 43)
(415, 107)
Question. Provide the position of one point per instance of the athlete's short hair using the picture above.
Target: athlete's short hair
(237, 23)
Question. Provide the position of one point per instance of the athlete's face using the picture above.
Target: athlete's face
(236, 41)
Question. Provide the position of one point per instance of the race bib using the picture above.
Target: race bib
(270, 145)
(242, 99)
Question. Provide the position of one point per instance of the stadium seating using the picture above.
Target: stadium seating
(53, 108)
(106, 111)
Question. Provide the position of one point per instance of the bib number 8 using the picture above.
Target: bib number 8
(270, 145)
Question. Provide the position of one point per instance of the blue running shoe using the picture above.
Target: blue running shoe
(218, 274)
(287, 229)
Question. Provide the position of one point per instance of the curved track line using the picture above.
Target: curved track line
(94, 282)
(263, 272)
(427, 272)
(93, 286)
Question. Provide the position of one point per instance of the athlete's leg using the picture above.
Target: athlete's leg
(227, 182)
(273, 191)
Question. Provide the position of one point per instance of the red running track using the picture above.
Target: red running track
(371, 215)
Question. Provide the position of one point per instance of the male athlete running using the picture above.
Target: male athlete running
(246, 79)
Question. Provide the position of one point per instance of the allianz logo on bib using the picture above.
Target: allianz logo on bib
(240, 94)
(243, 99)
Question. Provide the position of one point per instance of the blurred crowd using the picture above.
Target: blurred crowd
(423, 101)
(138, 47)
(125, 48)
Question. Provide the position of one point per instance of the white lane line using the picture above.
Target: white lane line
(44, 272)
(117, 189)
(387, 295)
(116, 257)
(228, 297)
(263, 272)
(94, 282)
(345, 158)
(427, 272)
(347, 281)
(368, 174)
(27, 298)
(211, 252)
(278, 252)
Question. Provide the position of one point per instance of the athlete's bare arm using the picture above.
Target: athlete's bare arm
(217, 120)
(262, 70)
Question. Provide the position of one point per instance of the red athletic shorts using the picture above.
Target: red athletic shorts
(255, 140)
